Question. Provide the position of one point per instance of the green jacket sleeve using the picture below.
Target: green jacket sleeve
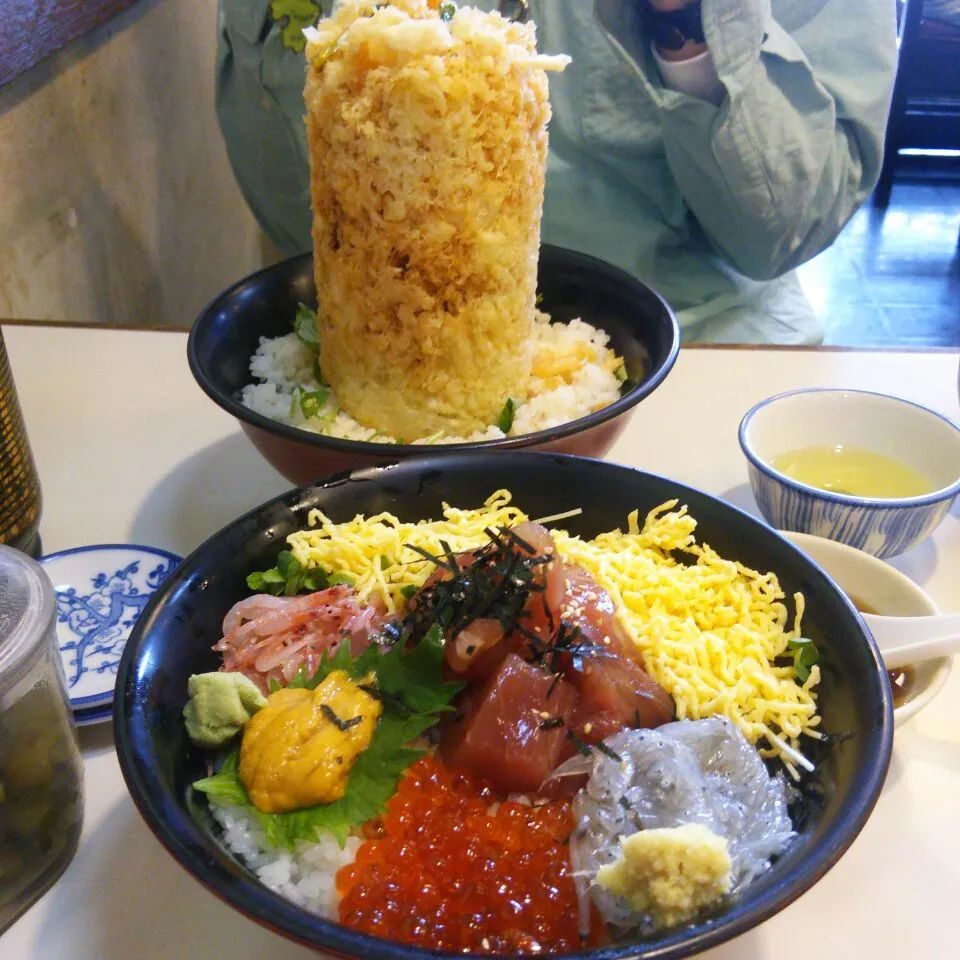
(775, 171)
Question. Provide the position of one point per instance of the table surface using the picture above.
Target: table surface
(130, 450)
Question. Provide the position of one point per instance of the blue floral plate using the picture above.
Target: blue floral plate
(101, 591)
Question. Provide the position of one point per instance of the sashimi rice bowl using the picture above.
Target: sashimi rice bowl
(480, 732)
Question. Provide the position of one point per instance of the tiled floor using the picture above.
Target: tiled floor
(893, 278)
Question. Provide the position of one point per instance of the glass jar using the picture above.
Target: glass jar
(20, 501)
(41, 771)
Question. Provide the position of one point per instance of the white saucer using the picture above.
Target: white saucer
(101, 590)
(888, 591)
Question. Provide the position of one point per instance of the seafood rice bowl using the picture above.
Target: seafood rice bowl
(486, 728)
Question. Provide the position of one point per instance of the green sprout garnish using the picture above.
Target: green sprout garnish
(288, 578)
(292, 16)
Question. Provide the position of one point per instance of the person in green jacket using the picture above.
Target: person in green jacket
(706, 147)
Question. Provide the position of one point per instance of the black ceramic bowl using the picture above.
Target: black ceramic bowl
(172, 640)
(641, 326)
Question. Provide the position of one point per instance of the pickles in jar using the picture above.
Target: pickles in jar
(41, 795)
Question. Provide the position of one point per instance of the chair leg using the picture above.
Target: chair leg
(884, 187)
(909, 31)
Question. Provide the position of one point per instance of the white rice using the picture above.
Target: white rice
(284, 367)
(305, 875)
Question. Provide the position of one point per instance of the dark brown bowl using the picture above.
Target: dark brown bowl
(172, 640)
(641, 326)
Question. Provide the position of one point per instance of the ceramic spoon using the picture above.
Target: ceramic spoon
(906, 640)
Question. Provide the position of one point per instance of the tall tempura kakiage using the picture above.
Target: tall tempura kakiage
(427, 127)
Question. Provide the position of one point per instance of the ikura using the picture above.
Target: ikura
(448, 868)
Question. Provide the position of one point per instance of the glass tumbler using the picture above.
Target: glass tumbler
(41, 771)
(20, 502)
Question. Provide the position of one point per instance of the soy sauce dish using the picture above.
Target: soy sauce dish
(869, 470)
(445, 736)
(876, 587)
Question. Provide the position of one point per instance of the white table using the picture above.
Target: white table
(129, 449)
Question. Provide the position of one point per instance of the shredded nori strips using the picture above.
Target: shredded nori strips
(496, 585)
(339, 722)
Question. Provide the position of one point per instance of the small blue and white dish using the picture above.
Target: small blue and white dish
(101, 590)
(895, 428)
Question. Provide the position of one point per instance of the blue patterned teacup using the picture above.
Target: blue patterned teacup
(899, 429)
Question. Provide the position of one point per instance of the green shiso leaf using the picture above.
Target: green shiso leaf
(409, 684)
(225, 784)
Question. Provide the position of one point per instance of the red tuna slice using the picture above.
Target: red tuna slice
(478, 649)
(614, 690)
(615, 693)
(589, 607)
(541, 613)
(502, 737)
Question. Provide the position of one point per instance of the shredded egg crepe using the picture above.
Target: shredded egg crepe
(709, 631)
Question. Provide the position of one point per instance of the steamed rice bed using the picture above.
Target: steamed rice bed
(575, 372)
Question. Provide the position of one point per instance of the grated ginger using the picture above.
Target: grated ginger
(709, 632)
(670, 874)
(428, 146)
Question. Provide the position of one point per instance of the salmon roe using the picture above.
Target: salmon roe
(445, 868)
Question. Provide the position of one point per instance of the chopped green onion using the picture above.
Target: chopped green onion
(305, 325)
(448, 11)
(505, 420)
(621, 373)
(313, 402)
